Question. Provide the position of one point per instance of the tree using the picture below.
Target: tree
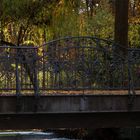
(134, 23)
(34, 22)
(0, 20)
(121, 23)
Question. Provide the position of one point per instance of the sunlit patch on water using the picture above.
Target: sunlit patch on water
(30, 135)
(59, 139)
(25, 133)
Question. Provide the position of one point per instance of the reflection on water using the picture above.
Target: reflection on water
(29, 136)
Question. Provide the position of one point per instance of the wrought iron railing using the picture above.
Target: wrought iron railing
(82, 63)
(18, 69)
(134, 63)
(70, 64)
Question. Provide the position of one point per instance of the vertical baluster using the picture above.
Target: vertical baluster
(21, 73)
(18, 89)
(36, 88)
(43, 59)
(47, 72)
(74, 68)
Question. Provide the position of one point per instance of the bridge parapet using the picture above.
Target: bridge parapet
(68, 65)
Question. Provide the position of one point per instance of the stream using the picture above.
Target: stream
(29, 135)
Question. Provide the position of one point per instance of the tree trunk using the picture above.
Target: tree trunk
(0, 21)
(121, 24)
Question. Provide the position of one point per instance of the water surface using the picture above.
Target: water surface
(29, 135)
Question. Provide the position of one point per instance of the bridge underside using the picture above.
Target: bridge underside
(70, 120)
(73, 111)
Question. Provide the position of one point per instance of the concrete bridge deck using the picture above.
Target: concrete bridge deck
(60, 92)
(69, 111)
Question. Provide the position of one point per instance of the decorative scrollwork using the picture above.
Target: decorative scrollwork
(83, 62)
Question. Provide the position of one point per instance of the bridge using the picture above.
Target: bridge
(71, 82)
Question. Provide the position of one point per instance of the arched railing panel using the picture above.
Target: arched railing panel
(82, 63)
